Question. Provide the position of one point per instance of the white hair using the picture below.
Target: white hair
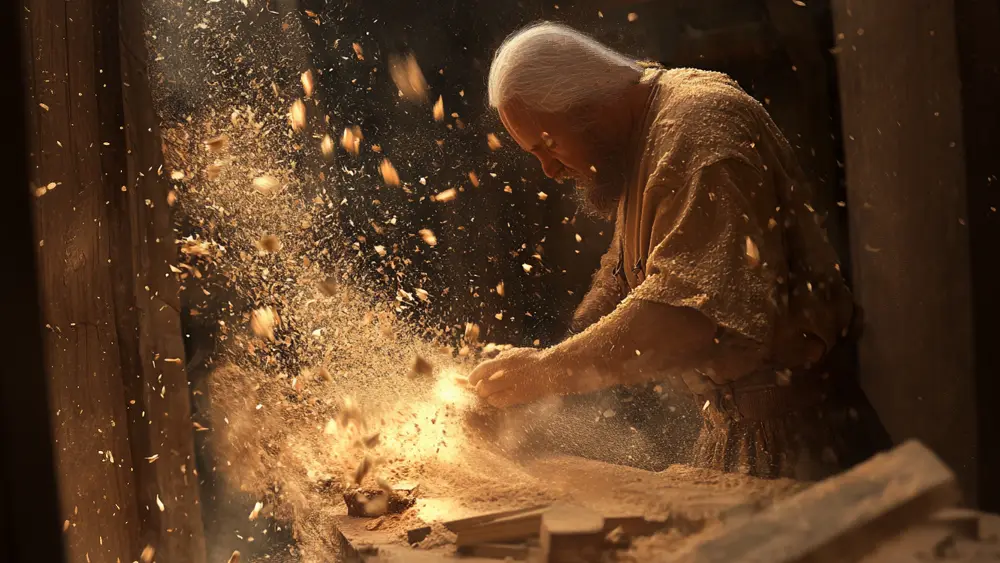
(552, 67)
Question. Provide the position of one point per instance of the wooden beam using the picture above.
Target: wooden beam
(118, 388)
(30, 527)
(909, 222)
(843, 517)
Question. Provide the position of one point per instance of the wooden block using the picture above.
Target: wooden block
(962, 521)
(511, 528)
(571, 534)
(417, 535)
(923, 542)
(841, 518)
(473, 521)
(512, 551)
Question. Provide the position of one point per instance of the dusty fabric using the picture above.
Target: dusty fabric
(716, 217)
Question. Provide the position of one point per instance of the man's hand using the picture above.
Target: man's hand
(517, 376)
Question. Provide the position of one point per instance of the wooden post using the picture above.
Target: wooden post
(30, 527)
(906, 182)
(118, 389)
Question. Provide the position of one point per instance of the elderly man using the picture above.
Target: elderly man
(719, 278)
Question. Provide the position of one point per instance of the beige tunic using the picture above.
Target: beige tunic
(716, 216)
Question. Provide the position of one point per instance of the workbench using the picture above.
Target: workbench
(691, 499)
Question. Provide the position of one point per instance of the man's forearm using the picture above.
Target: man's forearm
(637, 342)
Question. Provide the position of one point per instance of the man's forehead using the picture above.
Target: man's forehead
(522, 124)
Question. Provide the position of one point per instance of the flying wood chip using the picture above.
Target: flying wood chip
(217, 144)
(446, 195)
(493, 142)
(351, 140)
(262, 322)
(358, 51)
(307, 83)
(439, 109)
(389, 174)
(471, 333)
(407, 76)
(327, 147)
(256, 511)
(266, 185)
(753, 255)
(428, 236)
(297, 116)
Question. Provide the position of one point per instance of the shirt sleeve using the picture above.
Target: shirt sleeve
(709, 252)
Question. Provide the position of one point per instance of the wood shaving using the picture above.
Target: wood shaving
(358, 51)
(474, 179)
(235, 557)
(256, 511)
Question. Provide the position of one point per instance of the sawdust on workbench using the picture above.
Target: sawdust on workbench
(439, 537)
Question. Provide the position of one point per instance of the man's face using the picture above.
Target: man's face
(569, 147)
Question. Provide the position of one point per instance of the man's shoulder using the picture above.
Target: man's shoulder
(699, 117)
(687, 91)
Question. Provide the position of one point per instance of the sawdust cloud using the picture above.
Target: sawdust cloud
(314, 372)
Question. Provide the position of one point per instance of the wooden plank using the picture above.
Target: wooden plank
(511, 528)
(474, 521)
(844, 515)
(571, 534)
